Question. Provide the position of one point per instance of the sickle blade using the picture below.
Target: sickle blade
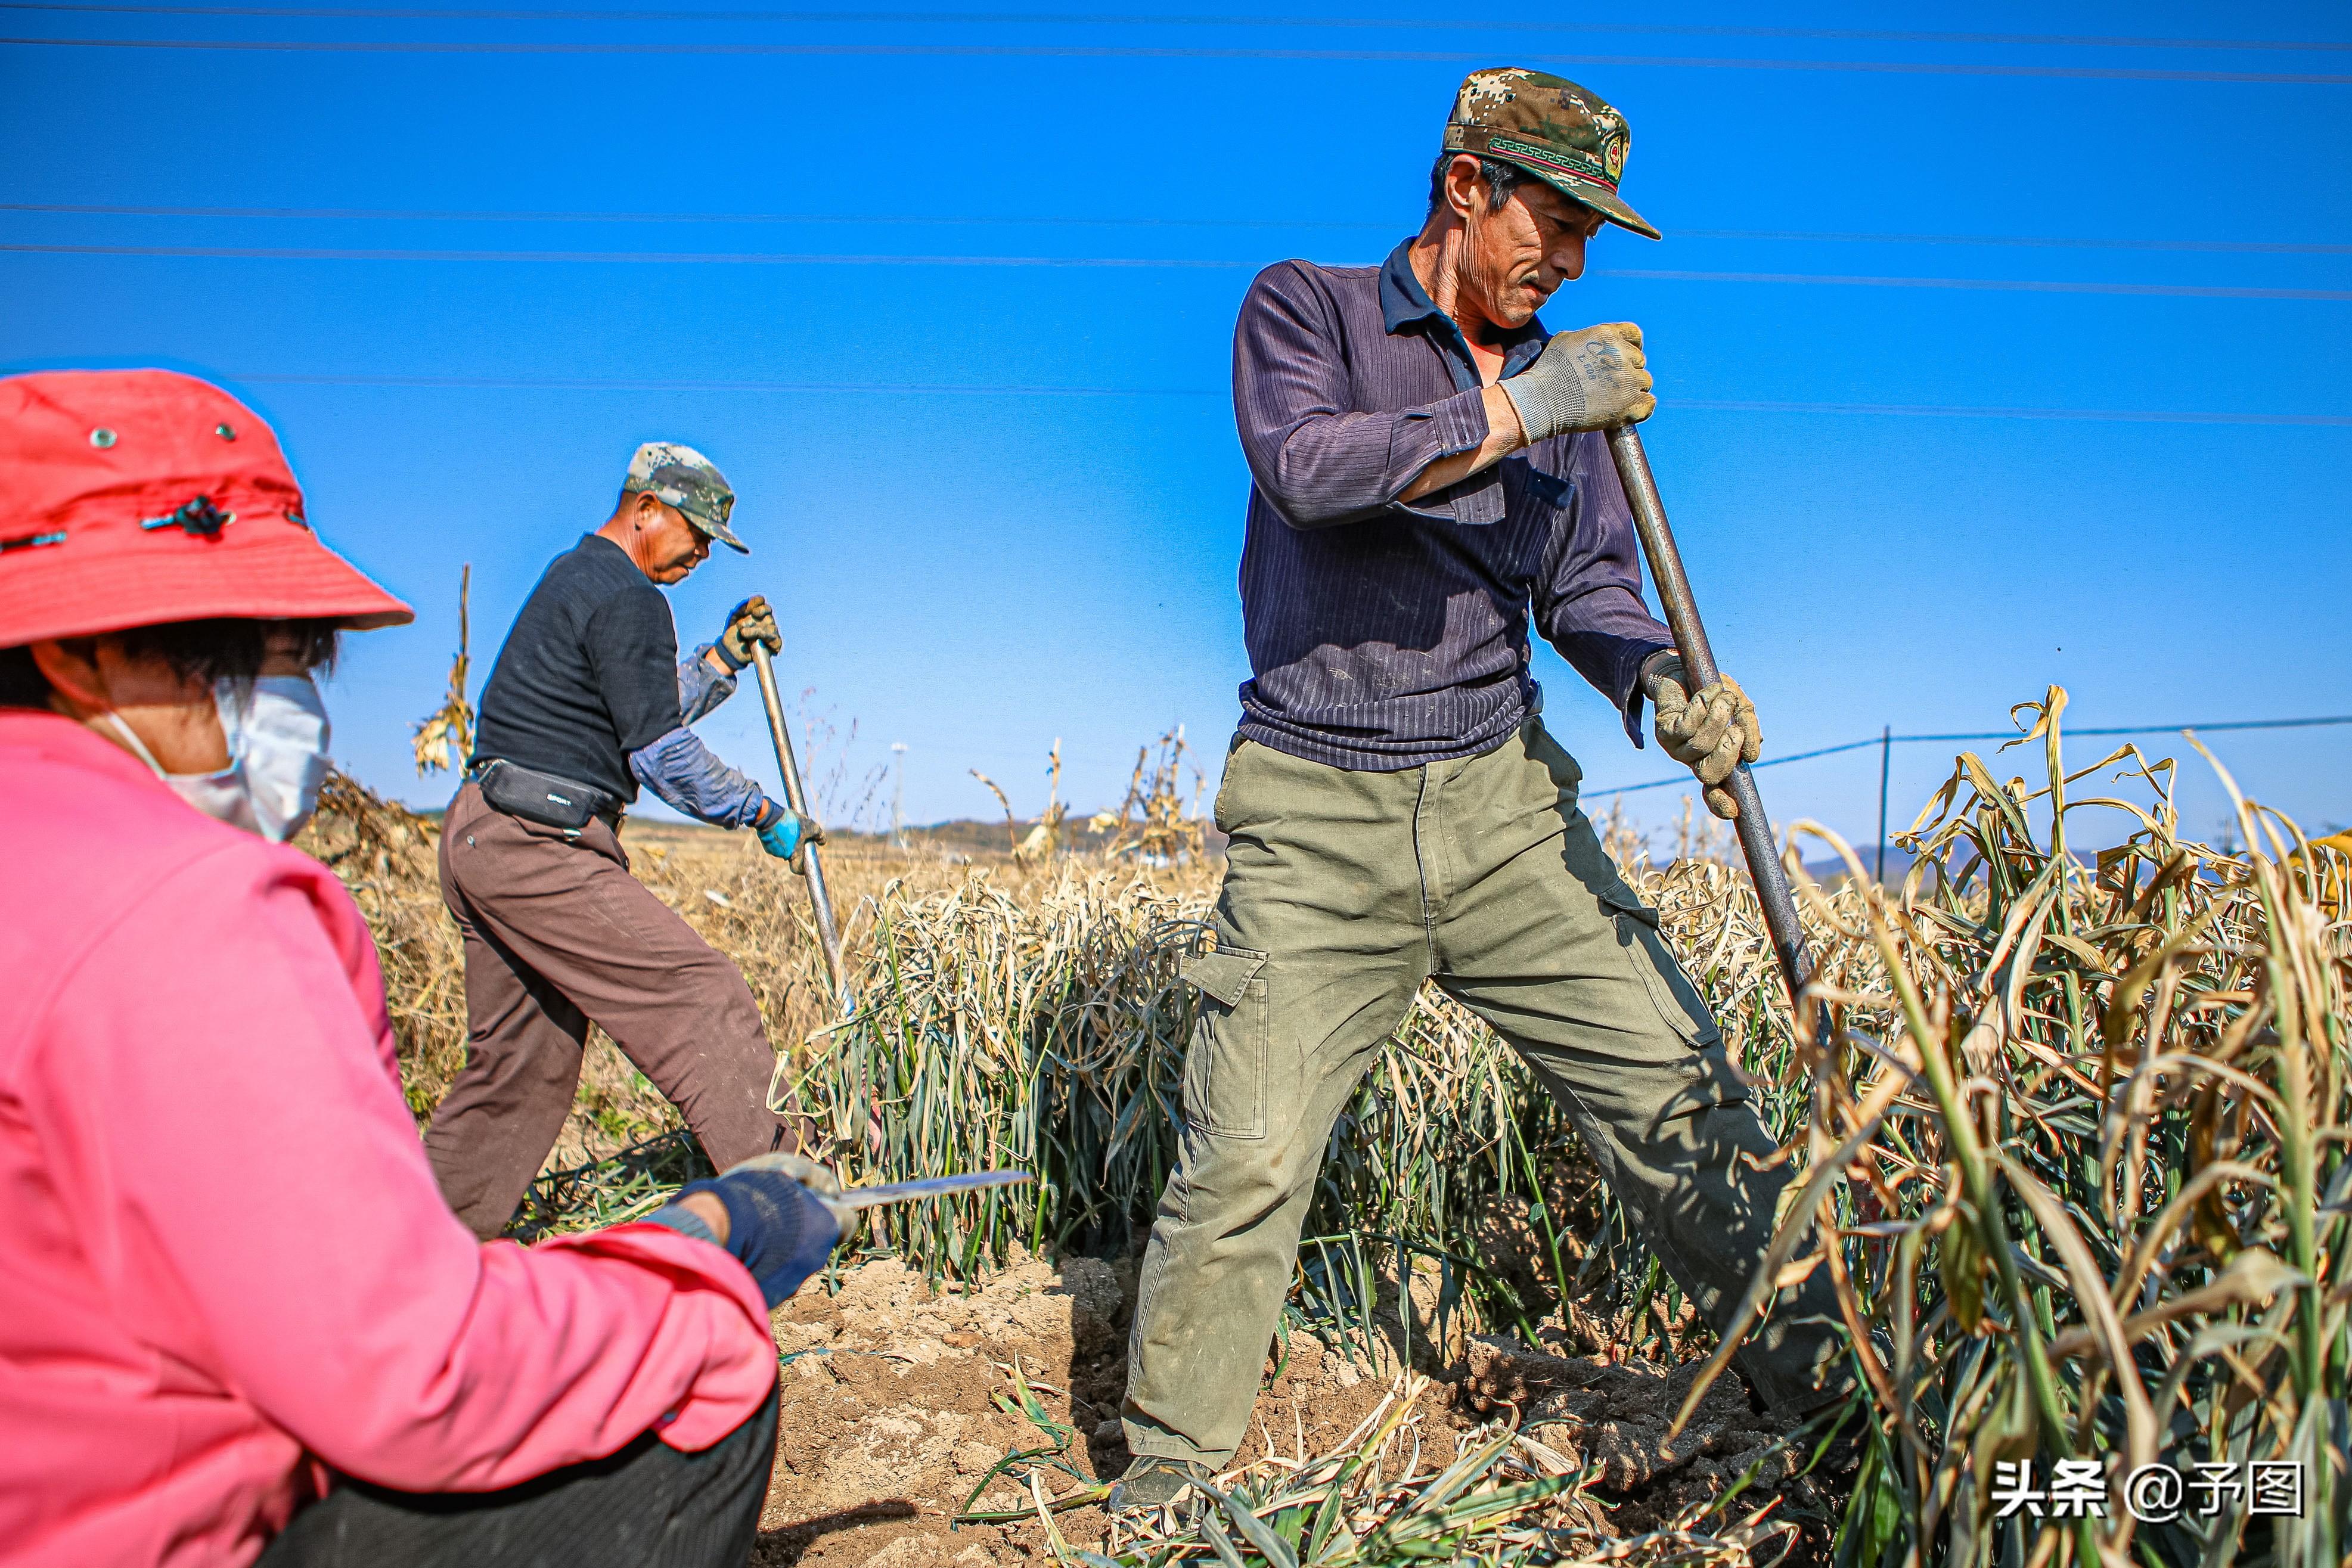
(931, 1187)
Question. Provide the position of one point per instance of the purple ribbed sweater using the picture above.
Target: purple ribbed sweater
(1383, 634)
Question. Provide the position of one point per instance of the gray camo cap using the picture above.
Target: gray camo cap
(678, 475)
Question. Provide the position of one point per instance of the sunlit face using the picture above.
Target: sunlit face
(1516, 257)
(670, 545)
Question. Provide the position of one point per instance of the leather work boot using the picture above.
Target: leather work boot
(1155, 1483)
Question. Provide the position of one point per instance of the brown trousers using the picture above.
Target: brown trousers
(558, 934)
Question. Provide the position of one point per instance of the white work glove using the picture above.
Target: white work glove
(1590, 379)
(1710, 731)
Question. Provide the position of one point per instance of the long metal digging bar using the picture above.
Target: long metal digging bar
(1755, 827)
(828, 937)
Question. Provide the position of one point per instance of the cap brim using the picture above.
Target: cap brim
(721, 532)
(290, 578)
(1599, 198)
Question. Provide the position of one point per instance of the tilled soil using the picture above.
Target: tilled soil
(891, 1416)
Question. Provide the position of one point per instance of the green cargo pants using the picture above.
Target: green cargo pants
(1345, 891)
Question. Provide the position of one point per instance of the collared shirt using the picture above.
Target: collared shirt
(1385, 634)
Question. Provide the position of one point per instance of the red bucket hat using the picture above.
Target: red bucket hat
(137, 497)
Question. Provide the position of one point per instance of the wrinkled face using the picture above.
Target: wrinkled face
(670, 545)
(1516, 257)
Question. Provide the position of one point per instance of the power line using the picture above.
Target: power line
(1941, 410)
(858, 220)
(522, 383)
(1072, 51)
(623, 257)
(956, 389)
(1816, 35)
(1998, 285)
(792, 258)
(1684, 780)
(2054, 242)
(949, 389)
(425, 214)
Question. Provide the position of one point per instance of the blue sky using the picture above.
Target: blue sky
(949, 298)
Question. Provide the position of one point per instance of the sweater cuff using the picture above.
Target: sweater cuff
(1633, 694)
(683, 1220)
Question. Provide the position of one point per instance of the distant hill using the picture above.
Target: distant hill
(971, 835)
(1830, 871)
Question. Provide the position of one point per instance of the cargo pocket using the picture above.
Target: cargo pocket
(1646, 949)
(1224, 1069)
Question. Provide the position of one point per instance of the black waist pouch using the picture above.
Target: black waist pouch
(543, 798)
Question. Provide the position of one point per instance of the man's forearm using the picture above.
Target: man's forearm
(682, 770)
(705, 680)
(1503, 438)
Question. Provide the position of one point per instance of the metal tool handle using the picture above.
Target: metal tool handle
(786, 764)
(1755, 829)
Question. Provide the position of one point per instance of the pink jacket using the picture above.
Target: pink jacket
(222, 1253)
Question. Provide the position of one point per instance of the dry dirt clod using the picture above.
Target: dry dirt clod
(905, 1401)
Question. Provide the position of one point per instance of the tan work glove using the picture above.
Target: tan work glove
(1583, 381)
(1710, 731)
(749, 625)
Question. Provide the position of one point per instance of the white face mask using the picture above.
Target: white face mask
(277, 734)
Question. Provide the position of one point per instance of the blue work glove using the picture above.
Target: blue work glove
(786, 834)
(779, 1225)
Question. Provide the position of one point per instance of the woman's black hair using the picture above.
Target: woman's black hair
(230, 648)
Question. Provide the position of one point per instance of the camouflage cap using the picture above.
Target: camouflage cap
(687, 480)
(1565, 135)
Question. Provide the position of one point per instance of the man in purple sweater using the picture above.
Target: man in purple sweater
(1430, 475)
